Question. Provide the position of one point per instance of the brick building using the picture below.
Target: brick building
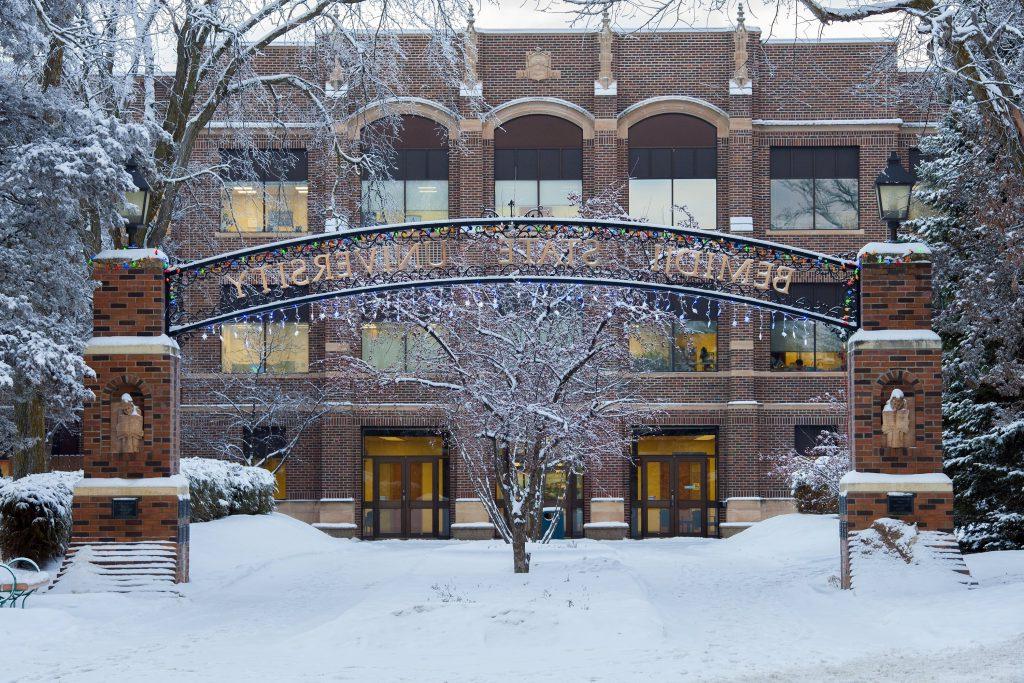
(778, 140)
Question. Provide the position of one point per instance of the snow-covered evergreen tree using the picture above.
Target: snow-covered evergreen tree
(62, 182)
(975, 186)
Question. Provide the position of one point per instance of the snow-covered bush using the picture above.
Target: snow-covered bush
(219, 488)
(35, 515)
(813, 475)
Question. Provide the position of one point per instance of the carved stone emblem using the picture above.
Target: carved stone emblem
(538, 67)
(896, 421)
(126, 425)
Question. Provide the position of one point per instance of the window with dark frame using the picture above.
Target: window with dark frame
(259, 442)
(805, 437)
(803, 345)
(538, 163)
(278, 344)
(691, 345)
(264, 190)
(814, 188)
(673, 165)
(415, 187)
(66, 439)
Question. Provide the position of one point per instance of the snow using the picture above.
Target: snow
(893, 557)
(130, 255)
(893, 249)
(119, 341)
(888, 336)
(175, 481)
(605, 525)
(894, 479)
(274, 599)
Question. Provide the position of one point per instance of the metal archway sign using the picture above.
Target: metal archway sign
(494, 250)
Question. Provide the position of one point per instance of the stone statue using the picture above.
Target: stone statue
(126, 425)
(896, 421)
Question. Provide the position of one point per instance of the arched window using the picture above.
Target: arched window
(673, 170)
(416, 185)
(538, 164)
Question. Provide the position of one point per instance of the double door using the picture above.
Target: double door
(407, 493)
(673, 495)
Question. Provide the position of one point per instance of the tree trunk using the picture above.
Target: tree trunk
(30, 420)
(520, 558)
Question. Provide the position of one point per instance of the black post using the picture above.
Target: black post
(894, 227)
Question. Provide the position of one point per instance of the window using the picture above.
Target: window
(814, 188)
(66, 439)
(918, 209)
(390, 346)
(271, 346)
(264, 190)
(416, 186)
(806, 436)
(259, 444)
(673, 170)
(805, 345)
(538, 164)
(691, 345)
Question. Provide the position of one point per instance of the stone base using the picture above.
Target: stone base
(131, 511)
(755, 509)
(605, 531)
(337, 529)
(729, 529)
(473, 531)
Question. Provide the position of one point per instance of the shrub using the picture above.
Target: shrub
(35, 515)
(219, 488)
(813, 475)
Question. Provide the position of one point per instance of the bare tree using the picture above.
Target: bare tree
(530, 379)
(261, 414)
(179, 66)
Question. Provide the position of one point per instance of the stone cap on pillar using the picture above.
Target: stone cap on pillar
(895, 339)
(130, 255)
(894, 252)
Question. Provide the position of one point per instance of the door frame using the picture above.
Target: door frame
(638, 479)
(442, 482)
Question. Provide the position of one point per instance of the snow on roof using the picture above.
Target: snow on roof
(130, 255)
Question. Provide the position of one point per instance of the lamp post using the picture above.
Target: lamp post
(893, 186)
(136, 206)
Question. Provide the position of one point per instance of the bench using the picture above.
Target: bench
(15, 585)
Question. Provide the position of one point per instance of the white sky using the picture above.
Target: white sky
(776, 20)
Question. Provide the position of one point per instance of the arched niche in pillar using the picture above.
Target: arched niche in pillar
(115, 416)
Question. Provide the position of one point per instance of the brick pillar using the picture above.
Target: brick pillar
(894, 351)
(738, 155)
(473, 195)
(132, 492)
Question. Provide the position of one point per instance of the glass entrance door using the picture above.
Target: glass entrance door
(404, 487)
(406, 497)
(673, 495)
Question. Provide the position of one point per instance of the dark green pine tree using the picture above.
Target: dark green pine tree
(974, 227)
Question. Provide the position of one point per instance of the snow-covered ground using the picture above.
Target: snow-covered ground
(274, 599)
